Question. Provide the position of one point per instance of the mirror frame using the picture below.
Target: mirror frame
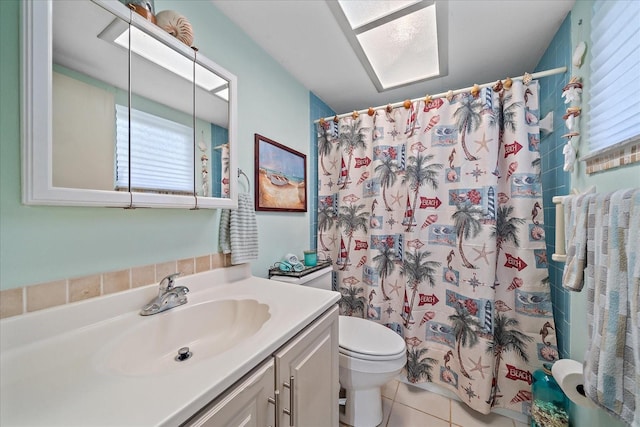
(36, 117)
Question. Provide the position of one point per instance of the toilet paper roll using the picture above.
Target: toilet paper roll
(568, 375)
(291, 259)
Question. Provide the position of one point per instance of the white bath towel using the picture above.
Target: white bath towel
(576, 236)
(239, 231)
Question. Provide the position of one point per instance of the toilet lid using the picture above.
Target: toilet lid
(368, 340)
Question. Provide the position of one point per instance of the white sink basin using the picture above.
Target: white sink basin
(208, 329)
(99, 363)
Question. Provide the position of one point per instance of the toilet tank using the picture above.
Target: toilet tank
(320, 279)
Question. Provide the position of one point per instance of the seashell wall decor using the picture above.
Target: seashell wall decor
(176, 25)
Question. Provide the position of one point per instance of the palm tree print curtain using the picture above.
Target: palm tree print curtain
(432, 215)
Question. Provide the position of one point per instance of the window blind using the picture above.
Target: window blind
(614, 85)
(161, 153)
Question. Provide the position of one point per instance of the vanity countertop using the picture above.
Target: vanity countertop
(53, 370)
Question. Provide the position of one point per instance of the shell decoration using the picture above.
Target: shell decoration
(176, 25)
(449, 95)
(508, 83)
(475, 91)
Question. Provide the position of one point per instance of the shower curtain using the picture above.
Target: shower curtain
(432, 215)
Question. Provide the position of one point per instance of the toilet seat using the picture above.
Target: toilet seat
(367, 340)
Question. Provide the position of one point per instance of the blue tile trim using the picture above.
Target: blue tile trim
(317, 110)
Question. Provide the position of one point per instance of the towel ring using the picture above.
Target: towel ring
(240, 172)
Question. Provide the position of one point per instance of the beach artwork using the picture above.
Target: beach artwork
(281, 177)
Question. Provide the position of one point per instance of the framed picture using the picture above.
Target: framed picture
(281, 177)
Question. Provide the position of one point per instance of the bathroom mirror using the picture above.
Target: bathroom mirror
(112, 114)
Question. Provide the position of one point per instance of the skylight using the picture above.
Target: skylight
(396, 40)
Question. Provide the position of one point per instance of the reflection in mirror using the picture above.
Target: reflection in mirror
(212, 122)
(162, 121)
(88, 77)
(76, 69)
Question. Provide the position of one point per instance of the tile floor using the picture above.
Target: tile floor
(404, 405)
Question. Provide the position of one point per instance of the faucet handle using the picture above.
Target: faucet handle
(167, 282)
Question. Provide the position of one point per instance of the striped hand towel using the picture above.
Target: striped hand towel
(612, 361)
(239, 231)
(576, 233)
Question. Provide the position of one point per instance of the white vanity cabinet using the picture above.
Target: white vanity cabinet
(298, 384)
(246, 404)
(307, 375)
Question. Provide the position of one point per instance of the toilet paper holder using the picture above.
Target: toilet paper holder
(568, 374)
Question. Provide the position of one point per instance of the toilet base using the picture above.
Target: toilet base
(363, 408)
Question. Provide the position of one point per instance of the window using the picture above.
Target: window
(614, 85)
(161, 153)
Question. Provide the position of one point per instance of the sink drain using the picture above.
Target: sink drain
(183, 354)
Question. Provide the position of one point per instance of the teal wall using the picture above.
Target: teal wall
(611, 180)
(570, 307)
(39, 243)
(555, 181)
(318, 109)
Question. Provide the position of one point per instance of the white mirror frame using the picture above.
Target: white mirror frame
(37, 135)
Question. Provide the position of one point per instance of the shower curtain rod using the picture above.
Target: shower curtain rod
(537, 75)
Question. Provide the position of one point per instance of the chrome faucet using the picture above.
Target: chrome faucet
(169, 296)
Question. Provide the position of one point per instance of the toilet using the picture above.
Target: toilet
(369, 356)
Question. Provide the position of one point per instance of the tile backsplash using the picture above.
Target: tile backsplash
(17, 301)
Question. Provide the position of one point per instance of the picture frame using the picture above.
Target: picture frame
(280, 177)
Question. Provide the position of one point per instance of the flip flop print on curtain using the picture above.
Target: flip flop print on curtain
(433, 215)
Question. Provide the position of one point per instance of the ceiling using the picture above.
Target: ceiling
(487, 40)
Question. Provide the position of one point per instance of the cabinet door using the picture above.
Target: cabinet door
(307, 375)
(244, 405)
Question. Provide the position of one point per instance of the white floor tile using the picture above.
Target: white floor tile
(386, 411)
(425, 401)
(404, 416)
(389, 389)
(463, 415)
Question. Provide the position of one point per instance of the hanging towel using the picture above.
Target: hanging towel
(612, 361)
(239, 231)
(576, 234)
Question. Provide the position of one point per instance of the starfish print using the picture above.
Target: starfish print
(451, 297)
(483, 143)
(476, 173)
(483, 253)
(394, 133)
(396, 199)
(389, 310)
(541, 257)
(332, 241)
(330, 184)
(470, 393)
(478, 366)
(395, 288)
(474, 282)
(334, 163)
